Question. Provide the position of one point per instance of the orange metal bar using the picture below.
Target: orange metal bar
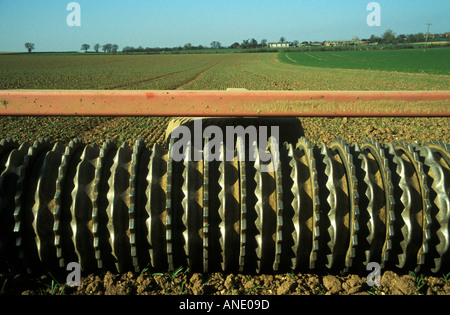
(224, 103)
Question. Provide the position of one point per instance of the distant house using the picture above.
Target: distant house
(354, 41)
(446, 35)
(280, 45)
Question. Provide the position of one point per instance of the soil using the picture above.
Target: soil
(186, 283)
(96, 130)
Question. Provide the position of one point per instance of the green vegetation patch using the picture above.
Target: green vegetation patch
(431, 61)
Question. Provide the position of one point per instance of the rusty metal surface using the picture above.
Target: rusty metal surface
(224, 103)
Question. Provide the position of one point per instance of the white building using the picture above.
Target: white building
(280, 45)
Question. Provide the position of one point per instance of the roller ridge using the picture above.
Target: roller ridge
(332, 202)
(353, 198)
(156, 208)
(14, 158)
(258, 208)
(333, 207)
(387, 219)
(102, 247)
(28, 182)
(279, 206)
(243, 204)
(438, 165)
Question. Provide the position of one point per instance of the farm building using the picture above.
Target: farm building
(344, 42)
(280, 45)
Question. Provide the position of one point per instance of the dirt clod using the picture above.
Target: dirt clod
(332, 284)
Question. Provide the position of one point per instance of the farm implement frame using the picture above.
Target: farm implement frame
(233, 102)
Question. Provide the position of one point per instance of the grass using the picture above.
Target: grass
(374, 290)
(2, 290)
(178, 271)
(53, 288)
(446, 277)
(432, 61)
(418, 279)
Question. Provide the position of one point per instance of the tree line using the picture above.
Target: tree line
(388, 37)
(246, 43)
(107, 48)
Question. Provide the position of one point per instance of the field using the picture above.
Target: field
(262, 71)
(365, 70)
(431, 61)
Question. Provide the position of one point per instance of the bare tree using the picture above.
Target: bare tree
(216, 45)
(29, 46)
(235, 45)
(388, 37)
(85, 47)
(107, 48)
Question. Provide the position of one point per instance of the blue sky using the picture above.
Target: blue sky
(170, 23)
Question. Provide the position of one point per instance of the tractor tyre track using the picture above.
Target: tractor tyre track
(128, 84)
(198, 76)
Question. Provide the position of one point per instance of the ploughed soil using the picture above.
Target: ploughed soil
(186, 283)
(96, 130)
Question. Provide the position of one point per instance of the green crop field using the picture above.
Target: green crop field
(431, 61)
(253, 71)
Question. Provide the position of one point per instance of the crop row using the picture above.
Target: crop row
(431, 61)
(91, 130)
(95, 130)
(203, 72)
(258, 71)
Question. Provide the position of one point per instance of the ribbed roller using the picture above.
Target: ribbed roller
(192, 203)
(349, 187)
(81, 208)
(12, 158)
(27, 217)
(229, 210)
(379, 210)
(247, 207)
(436, 161)
(102, 247)
(137, 211)
(62, 227)
(305, 204)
